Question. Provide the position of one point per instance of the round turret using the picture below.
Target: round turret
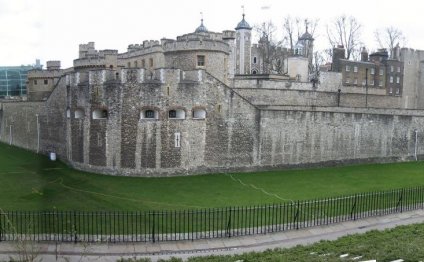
(306, 35)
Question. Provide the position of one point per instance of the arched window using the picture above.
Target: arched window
(254, 72)
(149, 114)
(100, 114)
(254, 60)
(79, 113)
(199, 113)
(176, 114)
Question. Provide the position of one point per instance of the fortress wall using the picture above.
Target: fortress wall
(134, 146)
(302, 137)
(312, 98)
(187, 60)
(235, 135)
(53, 122)
(412, 78)
(19, 123)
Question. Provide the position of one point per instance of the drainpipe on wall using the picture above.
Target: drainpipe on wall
(10, 134)
(38, 134)
(416, 144)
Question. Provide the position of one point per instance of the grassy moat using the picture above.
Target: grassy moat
(32, 182)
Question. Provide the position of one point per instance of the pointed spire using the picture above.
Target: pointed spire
(243, 24)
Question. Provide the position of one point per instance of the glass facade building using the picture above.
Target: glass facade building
(13, 80)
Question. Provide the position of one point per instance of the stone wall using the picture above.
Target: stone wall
(301, 137)
(53, 122)
(19, 123)
(244, 128)
(125, 143)
(262, 96)
(413, 80)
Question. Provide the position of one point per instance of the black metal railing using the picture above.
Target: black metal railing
(153, 226)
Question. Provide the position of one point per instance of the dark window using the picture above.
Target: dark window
(104, 113)
(143, 63)
(172, 113)
(149, 114)
(46, 81)
(151, 62)
(200, 60)
(35, 82)
(254, 60)
(254, 72)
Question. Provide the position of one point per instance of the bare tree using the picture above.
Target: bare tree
(292, 27)
(389, 37)
(272, 56)
(345, 31)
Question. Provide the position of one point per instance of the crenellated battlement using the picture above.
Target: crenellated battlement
(197, 44)
(140, 75)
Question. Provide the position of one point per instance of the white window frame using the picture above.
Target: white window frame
(355, 69)
(372, 71)
(180, 114)
(391, 80)
(347, 69)
(199, 113)
(78, 113)
(155, 114)
(100, 114)
(397, 80)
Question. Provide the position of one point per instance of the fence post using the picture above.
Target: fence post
(75, 227)
(229, 225)
(400, 201)
(353, 209)
(295, 219)
(153, 228)
(1, 226)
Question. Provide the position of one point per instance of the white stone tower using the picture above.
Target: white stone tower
(307, 42)
(243, 47)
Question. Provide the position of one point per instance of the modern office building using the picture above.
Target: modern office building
(13, 79)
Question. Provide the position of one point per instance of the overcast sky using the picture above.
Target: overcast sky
(53, 29)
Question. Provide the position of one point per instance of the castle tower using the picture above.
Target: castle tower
(307, 41)
(243, 44)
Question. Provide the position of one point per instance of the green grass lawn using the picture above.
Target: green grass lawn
(404, 242)
(31, 182)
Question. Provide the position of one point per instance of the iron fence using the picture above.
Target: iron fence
(153, 226)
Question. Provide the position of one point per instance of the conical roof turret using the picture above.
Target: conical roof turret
(243, 25)
(202, 28)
